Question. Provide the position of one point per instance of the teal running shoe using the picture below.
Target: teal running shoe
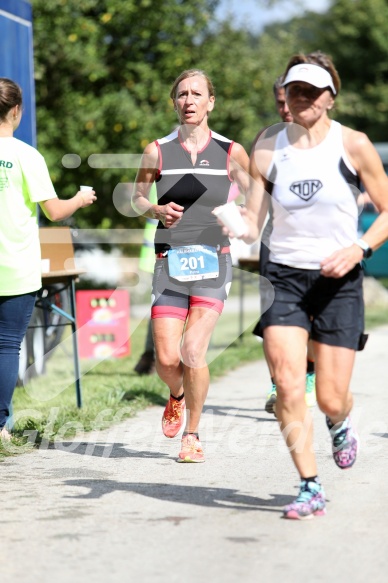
(271, 400)
(310, 395)
(345, 443)
(310, 502)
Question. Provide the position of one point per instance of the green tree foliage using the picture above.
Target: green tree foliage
(362, 60)
(103, 72)
(104, 69)
(244, 68)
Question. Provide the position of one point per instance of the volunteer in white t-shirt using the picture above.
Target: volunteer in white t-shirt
(24, 182)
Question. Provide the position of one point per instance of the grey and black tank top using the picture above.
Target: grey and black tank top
(198, 187)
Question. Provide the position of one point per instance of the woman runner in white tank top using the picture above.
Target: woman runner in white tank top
(312, 170)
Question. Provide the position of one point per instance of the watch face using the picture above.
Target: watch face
(366, 250)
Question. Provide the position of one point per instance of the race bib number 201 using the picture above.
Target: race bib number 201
(193, 262)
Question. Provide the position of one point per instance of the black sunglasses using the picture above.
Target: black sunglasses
(310, 91)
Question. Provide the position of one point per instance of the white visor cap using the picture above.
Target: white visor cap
(312, 74)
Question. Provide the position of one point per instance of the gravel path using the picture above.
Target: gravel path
(115, 506)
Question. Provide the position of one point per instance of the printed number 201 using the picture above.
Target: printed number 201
(192, 263)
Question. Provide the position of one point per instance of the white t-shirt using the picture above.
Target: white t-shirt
(314, 201)
(24, 181)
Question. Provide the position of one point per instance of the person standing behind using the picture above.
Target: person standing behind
(270, 404)
(24, 182)
(315, 166)
(193, 168)
(280, 101)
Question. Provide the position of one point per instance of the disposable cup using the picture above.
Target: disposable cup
(230, 216)
(83, 187)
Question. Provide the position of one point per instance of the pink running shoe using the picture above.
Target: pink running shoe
(345, 443)
(310, 502)
(191, 450)
(173, 417)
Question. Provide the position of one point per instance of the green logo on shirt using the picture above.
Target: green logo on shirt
(5, 164)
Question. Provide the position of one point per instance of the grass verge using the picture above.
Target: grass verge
(45, 409)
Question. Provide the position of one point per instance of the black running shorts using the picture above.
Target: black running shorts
(173, 299)
(330, 309)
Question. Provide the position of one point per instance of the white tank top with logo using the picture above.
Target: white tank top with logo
(314, 199)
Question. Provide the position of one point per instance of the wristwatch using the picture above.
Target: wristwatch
(367, 251)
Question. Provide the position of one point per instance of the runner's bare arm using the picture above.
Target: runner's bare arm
(168, 214)
(257, 198)
(239, 167)
(366, 161)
